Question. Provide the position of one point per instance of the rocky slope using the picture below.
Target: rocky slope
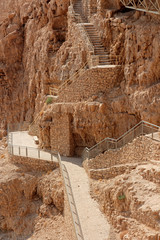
(31, 203)
(127, 188)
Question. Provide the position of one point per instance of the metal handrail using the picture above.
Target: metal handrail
(38, 115)
(89, 152)
(70, 197)
(65, 175)
(61, 87)
(81, 26)
(21, 125)
(151, 7)
(74, 77)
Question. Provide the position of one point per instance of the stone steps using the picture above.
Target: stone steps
(93, 36)
(98, 47)
(78, 9)
(101, 53)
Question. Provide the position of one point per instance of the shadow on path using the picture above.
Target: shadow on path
(73, 160)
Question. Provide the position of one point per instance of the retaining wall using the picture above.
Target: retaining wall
(34, 163)
(93, 81)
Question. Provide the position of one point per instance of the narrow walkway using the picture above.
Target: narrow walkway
(21, 140)
(94, 224)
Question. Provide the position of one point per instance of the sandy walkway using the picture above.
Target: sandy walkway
(94, 224)
(23, 139)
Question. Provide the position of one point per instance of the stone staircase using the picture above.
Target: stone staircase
(78, 8)
(97, 44)
(93, 36)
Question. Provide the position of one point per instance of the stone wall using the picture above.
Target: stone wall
(60, 135)
(113, 163)
(33, 163)
(111, 172)
(121, 32)
(34, 129)
(58, 123)
(127, 189)
(93, 81)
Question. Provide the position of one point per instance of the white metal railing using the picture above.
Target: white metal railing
(142, 128)
(31, 152)
(72, 204)
(22, 126)
(151, 6)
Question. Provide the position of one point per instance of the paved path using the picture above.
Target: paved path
(21, 140)
(94, 224)
(155, 136)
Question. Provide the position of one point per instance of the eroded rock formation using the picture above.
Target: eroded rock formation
(31, 202)
(31, 32)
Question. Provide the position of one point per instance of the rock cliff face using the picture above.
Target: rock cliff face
(30, 36)
(127, 34)
(39, 48)
(41, 45)
(134, 97)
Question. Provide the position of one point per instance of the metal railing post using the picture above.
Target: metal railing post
(123, 141)
(107, 145)
(38, 153)
(142, 129)
(88, 154)
(26, 152)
